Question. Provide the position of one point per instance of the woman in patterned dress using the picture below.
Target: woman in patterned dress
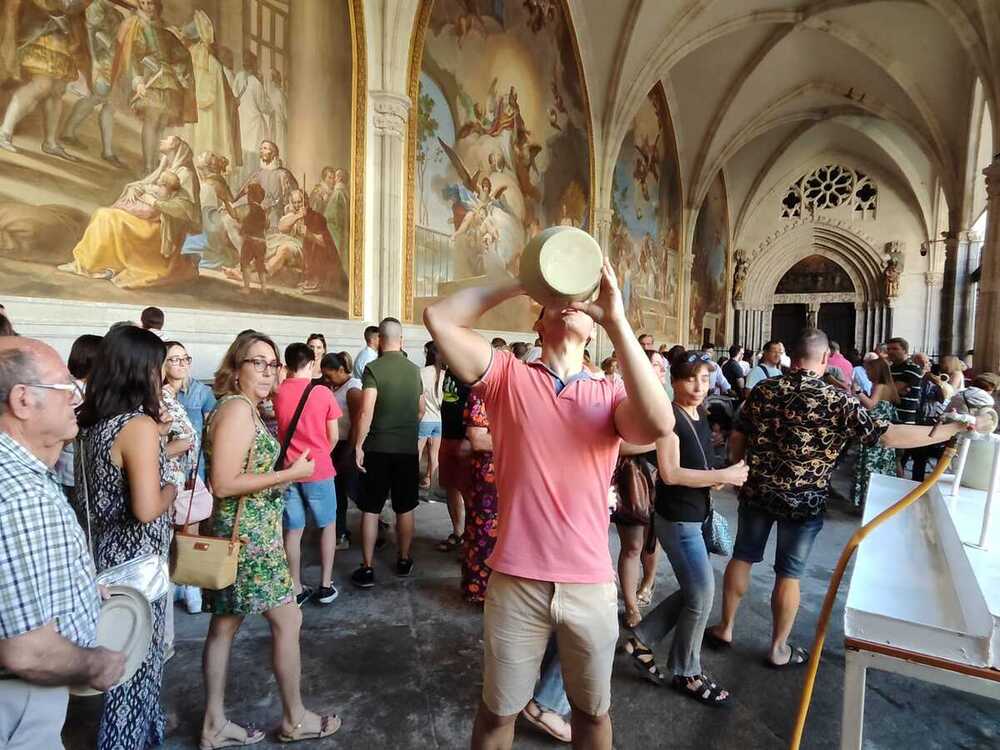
(481, 507)
(240, 453)
(881, 404)
(121, 463)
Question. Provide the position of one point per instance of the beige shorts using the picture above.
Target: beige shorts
(520, 615)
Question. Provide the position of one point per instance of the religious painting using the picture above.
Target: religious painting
(710, 272)
(500, 145)
(172, 154)
(646, 221)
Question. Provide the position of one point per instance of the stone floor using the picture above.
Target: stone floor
(401, 665)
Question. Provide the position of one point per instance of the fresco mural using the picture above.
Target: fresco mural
(500, 144)
(140, 164)
(710, 273)
(646, 221)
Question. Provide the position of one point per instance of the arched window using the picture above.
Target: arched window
(828, 187)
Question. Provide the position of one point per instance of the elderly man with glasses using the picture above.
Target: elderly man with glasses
(49, 601)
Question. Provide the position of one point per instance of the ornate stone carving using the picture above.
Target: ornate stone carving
(894, 251)
(891, 275)
(390, 112)
(992, 173)
(739, 274)
(934, 279)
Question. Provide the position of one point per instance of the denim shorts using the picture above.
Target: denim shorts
(795, 540)
(429, 430)
(321, 499)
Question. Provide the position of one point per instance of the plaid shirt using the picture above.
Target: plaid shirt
(46, 572)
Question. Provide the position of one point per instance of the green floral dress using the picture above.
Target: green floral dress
(874, 459)
(263, 580)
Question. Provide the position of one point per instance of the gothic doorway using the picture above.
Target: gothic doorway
(837, 320)
(787, 320)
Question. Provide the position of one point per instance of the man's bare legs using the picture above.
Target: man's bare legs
(369, 532)
(590, 732)
(404, 533)
(40, 90)
(327, 552)
(492, 732)
(784, 608)
(735, 585)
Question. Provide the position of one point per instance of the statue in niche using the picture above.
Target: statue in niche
(892, 275)
(739, 275)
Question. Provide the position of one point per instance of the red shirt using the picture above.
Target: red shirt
(311, 432)
(554, 457)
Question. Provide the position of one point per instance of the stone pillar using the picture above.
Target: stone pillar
(987, 339)
(389, 113)
(602, 225)
(812, 315)
(933, 281)
(687, 263)
(315, 99)
(860, 341)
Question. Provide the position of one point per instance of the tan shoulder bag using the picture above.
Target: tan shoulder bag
(209, 562)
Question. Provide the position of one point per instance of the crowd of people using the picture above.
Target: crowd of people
(106, 457)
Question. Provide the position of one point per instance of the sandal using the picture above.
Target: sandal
(631, 618)
(702, 689)
(796, 658)
(713, 641)
(449, 544)
(643, 661)
(645, 596)
(328, 725)
(250, 736)
(540, 719)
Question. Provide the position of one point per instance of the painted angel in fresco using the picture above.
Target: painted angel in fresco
(43, 48)
(469, 15)
(482, 218)
(647, 163)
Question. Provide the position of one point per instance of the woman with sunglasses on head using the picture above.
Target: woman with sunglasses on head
(683, 504)
(120, 463)
(241, 453)
(317, 342)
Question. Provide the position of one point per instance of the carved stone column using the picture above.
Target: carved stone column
(956, 291)
(933, 280)
(602, 233)
(687, 263)
(812, 314)
(988, 306)
(389, 115)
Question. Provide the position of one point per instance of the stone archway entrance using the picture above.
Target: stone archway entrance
(814, 272)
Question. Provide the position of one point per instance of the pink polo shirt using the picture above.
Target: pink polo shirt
(554, 457)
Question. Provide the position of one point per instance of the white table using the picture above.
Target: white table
(924, 599)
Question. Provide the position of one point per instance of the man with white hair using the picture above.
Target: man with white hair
(392, 404)
(49, 601)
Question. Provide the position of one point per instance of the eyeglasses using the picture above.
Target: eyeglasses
(76, 393)
(262, 365)
(179, 361)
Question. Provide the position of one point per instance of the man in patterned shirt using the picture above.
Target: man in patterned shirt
(791, 431)
(48, 596)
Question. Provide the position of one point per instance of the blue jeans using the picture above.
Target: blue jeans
(550, 693)
(689, 607)
(795, 540)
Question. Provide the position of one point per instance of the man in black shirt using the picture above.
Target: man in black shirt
(732, 370)
(907, 374)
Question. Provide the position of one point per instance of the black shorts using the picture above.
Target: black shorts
(385, 473)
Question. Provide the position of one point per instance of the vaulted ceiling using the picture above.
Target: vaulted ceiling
(759, 87)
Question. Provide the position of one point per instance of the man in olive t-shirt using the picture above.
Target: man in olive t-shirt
(386, 448)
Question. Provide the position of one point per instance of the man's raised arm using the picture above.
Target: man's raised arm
(451, 321)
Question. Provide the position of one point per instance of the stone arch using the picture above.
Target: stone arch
(854, 252)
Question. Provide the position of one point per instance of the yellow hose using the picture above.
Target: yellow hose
(838, 573)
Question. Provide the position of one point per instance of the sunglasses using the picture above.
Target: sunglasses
(696, 357)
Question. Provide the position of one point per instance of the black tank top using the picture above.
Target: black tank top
(673, 501)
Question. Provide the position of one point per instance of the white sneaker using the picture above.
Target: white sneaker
(192, 599)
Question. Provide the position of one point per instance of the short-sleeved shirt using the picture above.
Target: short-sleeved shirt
(733, 372)
(433, 381)
(198, 401)
(396, 417)
(364, 358)
(340, 394)
(796, 427)
(555, 449)
(761, 372)
(910, 373)
(321, 407)
(454, 396)
(46, 571)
